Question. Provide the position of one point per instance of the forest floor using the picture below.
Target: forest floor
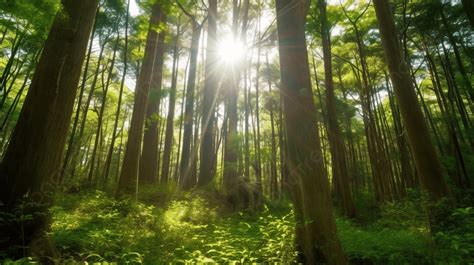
(165, 226)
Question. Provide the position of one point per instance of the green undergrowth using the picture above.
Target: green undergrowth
(94, 227)
(165, 226)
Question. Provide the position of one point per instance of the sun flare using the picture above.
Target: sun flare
(230, 51)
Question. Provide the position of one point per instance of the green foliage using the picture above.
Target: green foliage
(405, 214)
(457, 238)
(383, 245)
(399, 233)
(197, 227)
(93, 227)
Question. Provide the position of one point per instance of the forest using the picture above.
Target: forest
(236, 131)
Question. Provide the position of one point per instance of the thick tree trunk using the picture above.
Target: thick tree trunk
(209, 100)
(26, 173)
(316, 230)
(426, 159)
(129, 175)
(231, 146)
(72, 137)
(149, 158)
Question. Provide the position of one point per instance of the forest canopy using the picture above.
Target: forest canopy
(237, 131)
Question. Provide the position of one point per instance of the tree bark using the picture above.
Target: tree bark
(72, 137)
(26, 173)
(149, 158)
(231, 146)
(336, 143)
(426, 159)
(129, 175)
(316, 233)
(209, 100)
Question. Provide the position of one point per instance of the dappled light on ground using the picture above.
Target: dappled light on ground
(94, 227)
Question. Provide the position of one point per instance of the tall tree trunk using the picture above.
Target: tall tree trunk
(72, 137)
(26, 173)
(209, 100)
(273, 163)
(231, 146)
(426, 159)
(339, 163)
(149, 159)
(129, 175)
(309, 184)
(176, 173)
(165, 169)
(185, 166)
(108, 160)
(100, 117)
(246, 96)
(406, 171)
(86, 109)
(258, 158)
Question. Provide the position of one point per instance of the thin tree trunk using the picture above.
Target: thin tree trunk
(185, 166)
(102, 109)
(165, 169)
(181, 121)
(108, 160)
(86, 110)
(273, 163)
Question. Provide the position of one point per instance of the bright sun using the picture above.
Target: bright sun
(230, 51)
